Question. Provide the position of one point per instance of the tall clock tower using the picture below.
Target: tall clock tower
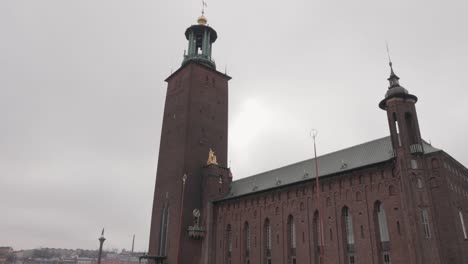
(193, 148)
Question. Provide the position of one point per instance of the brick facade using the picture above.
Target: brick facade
(411, 208)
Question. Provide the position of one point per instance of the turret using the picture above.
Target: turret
(402, 117)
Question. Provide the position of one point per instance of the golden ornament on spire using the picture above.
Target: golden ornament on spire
(202, 20)
(211, 158)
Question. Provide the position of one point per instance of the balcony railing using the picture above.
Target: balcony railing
(416, 149)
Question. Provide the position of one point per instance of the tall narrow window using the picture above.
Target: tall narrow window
(348, 231)
(462, 221)
(229, 244)
(381, 219)
(247, 242)
(411, 128)
(163, 231)
(348, 221)
(292, 239)
(267, 234)
(425, 223)
(397, 129)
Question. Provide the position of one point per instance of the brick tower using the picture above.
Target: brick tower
(193, 154)
(410, 167)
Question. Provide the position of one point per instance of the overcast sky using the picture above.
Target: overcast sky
(82, 93)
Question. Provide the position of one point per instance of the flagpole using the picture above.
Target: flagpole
(314, 134)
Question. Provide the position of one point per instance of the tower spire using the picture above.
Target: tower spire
(393, 79)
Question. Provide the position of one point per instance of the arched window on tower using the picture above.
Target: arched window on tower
(267, 235)
(383, 235)
(347, 224)
(229, 244)
(291, 240)
(247, 242)
(397, 129)
(411, 128)
(163, 231)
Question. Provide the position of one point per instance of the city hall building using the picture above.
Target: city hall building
(396, 199)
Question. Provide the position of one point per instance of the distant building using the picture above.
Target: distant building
(71, 256)
(6, 255)
(395, 200)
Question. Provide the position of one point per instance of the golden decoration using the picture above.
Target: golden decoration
(202, 20)
(211, 158)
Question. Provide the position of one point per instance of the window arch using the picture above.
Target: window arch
(383, 235)
(411, 128)
(425, 223)
(347, 226)
(291, 239)
(391, 190)
(163, 231)
(247, 242)
(382, 222)
(397, 129)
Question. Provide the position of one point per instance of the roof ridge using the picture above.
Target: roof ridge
(311, 159)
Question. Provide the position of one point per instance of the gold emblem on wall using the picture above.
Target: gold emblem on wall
(211, 158)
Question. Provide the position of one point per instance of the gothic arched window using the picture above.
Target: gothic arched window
(425, 223)
(384, 237)
(163, 231)
(349, 233)
(247, 242)
(291, 239)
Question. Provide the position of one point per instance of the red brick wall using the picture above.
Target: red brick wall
(372, 184)
(195, 120)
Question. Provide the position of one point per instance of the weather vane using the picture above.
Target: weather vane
(388, 54)
(203, 7)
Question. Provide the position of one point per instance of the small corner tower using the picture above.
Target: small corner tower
(410, 169)
(402, 117)
(195, 124)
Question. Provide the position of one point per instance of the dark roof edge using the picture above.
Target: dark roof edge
(303, 181)
(453, 159)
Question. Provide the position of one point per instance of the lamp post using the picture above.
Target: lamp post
(314, 134)
(101, 242)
